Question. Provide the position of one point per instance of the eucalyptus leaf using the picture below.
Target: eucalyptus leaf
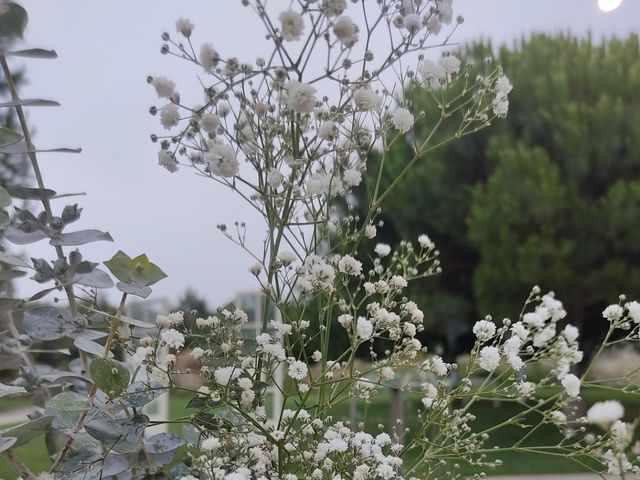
(145, 273)
(96, 278)
(138, 394)
(18, 237)
(81, 237)
(133, 289)
(5, 198)
(163, 443)
(27, 193)
(42, 294)
(114, 464)
(13, 260)
(59, 150)
(91, 347)
(48, 323)
(8, 136)
(33, 102)
(120, 266)
(13, 20)
(110, 376)
(139, 271)
(9, 390)
(136, 323)
(9, 275)
(88, 334)
(123, 435)
(5, 220)
(26, 432)
(33, 53)
(6, 443)
(15, 148)
(69, 402)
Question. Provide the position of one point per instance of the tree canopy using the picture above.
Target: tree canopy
(549, 196)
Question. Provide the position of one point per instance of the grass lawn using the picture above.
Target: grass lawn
(487, 414)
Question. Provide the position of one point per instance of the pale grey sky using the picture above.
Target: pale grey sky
(106, 50)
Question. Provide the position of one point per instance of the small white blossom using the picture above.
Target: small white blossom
(346, 31)
(298, 370)
(300, 97)
(634, 311)
(328, 130)
(364, 328)
(350, 265)
(222, 160)
(333, 8)
(484, 330)
(209, 57)
(412, 22)
(169, 116)
(613, 312)
(167, 160)
(165, 88)
(382, 249)
(224, 375)
(370, 231)
(184, 27)
(425, 242)
(605, 413)
(210, 444)
(571, 384)
(366, 99)
(172, 338)
(209, 122)
(489, 358)
(402, 119)
(292, 25)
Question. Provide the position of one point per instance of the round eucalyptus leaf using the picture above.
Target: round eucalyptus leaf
(13, 20)
(163, 443)
(9, 390)
(111, 376)
(138, 394)
(133, 289)
(48, 323)
(27, 431)
(5, 198)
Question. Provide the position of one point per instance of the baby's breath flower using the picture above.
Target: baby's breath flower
(209, 57)
(169, 116)
(165, 88)
(300, 97)
(292, 25)
(571, 384)
(382, 249)
(402, 119)
(346, 31)
(489, 358)
(613, 312)
(298, 370)
(605, 413)
(184, 27)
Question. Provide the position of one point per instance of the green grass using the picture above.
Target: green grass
(377, 412)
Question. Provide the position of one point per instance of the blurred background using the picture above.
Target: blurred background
(549, 196)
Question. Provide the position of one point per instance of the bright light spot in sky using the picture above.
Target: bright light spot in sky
(608, 5)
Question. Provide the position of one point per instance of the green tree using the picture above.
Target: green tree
(548, 196)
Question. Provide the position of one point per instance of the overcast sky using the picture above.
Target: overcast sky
(106, 50)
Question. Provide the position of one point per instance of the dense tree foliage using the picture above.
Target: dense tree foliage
(550, 196)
